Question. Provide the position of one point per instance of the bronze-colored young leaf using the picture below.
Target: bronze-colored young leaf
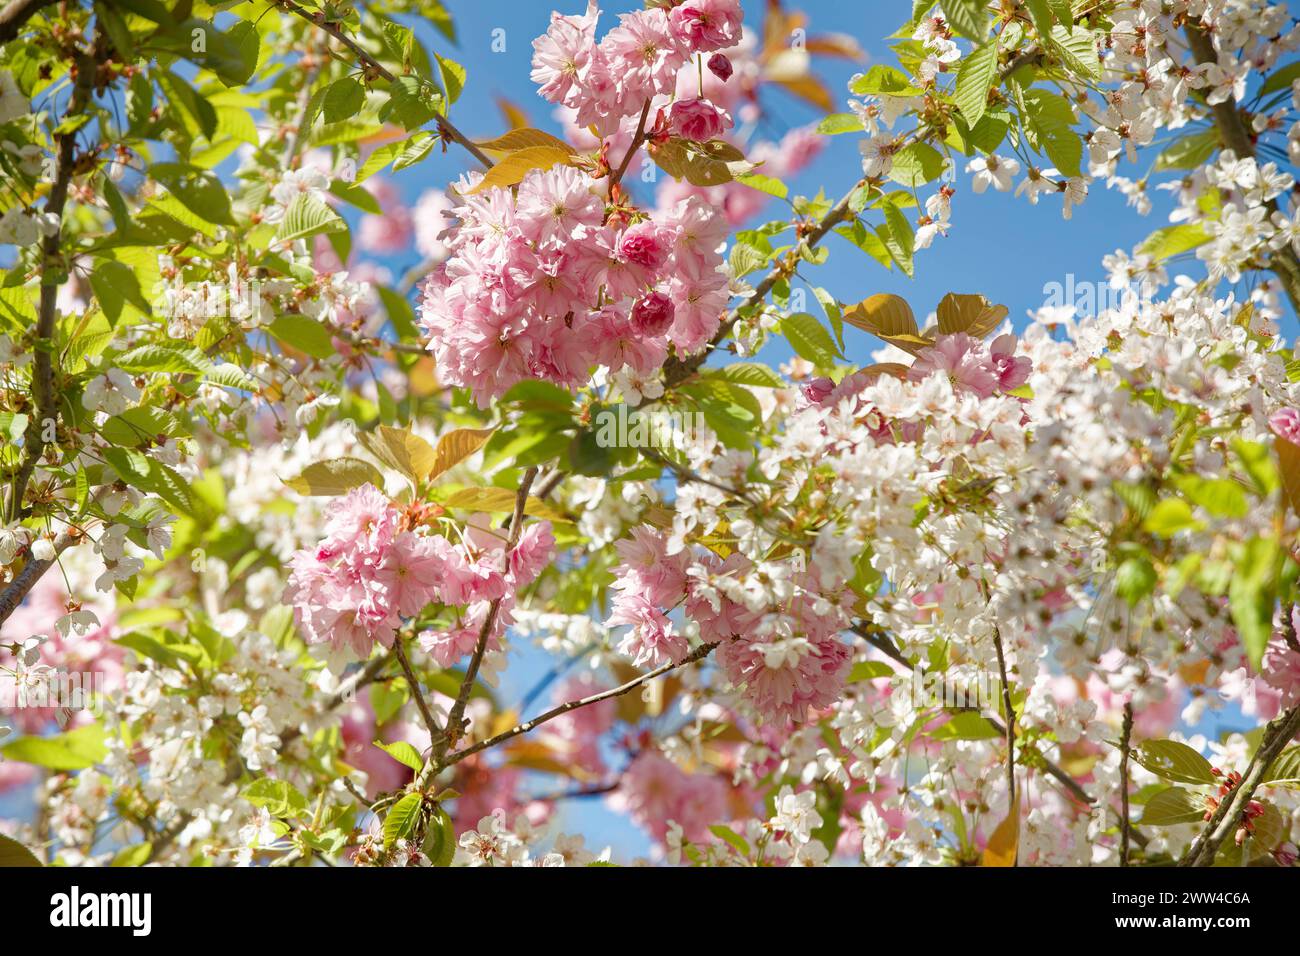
(400, 450)
(1004, 842)
(518, 164)
(972, 314)
(335, 476)
(457, 445)
(882, 315)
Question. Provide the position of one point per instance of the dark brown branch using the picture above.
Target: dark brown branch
(417, 691)
(1126, 737)
(698, 654)
(52, 264)
(456, 717)
(1235, 136)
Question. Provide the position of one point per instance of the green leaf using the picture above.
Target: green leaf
(1050, 119)
(1172, 806)
(752, 374)
(1221, 497)
(453, 77)
(765, 184)
(74, 750)
(135, 855)
(917, 164)
(1281, 78)
(1285, 770)
(869, 670)
(810, 339)
(1172, 240)
(412, 102)
(1252, 594)
(1174, 761)
(343, 99)
(731, 837)
(974, 80)
(731, 410)
(899, 238)
(1188, 151)
(279, 797)
(403, 753)
(967, 17)
(1170, 517)
(966, 726)
(160, 358)
(335, 476)
(440, 839)
(307, 216)
(883, 80)
(1077, 48)
(304, 334)
(1135, 579)
(402, 819)
(839, 123)
(199, 190)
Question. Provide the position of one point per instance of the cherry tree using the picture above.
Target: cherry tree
(298, 516)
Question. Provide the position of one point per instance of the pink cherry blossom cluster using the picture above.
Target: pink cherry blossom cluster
(973, 366)
(544, 284)
(636, 61)
(784, 660)
(377, 566)
(563, 272)
(657, 793)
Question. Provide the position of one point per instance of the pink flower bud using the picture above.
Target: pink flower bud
(1285, 423)
(645, 244)
(720, 66)
(652, 314)
(698, 119)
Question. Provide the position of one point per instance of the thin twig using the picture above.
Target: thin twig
(698, 654)
(880, 642)
(456, 717)
(374, 66)
(417, 691)
(637, 139)
(1011, 715)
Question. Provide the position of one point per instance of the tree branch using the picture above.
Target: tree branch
(374, 66)
(698, 654)
(416, 691)
(16, 13)
(1126, 736)
(456, 717)
(876, 640)
(53, 274)
(1279, 732)
(1010, 730)
(678, 370)
(1235, 136)
(26, 579)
